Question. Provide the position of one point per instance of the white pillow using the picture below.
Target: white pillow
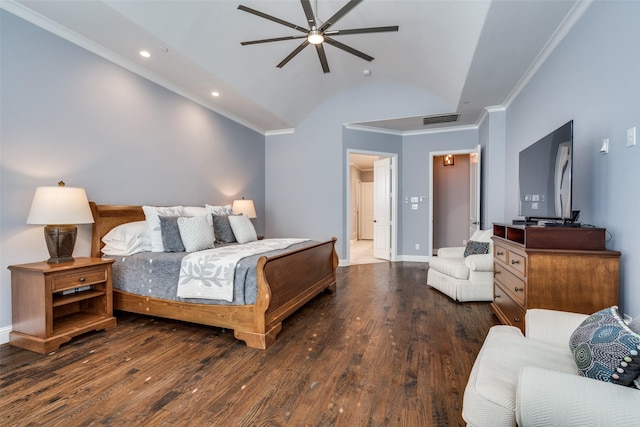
(196, 233)
(127, 239)
(216, 210)
(151, 214)
(242, 228)
(195, 210)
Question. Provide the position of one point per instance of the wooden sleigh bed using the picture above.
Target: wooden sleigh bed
(285, 283)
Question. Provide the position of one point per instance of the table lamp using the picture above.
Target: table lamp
(244, 206)
(59, 209)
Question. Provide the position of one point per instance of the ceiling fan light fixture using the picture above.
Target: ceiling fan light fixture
(315, 37)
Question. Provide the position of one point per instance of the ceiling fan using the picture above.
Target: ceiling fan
(318, 32)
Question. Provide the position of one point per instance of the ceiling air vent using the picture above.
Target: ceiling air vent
(443, 118)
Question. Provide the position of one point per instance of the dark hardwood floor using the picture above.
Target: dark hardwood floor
(384, 350)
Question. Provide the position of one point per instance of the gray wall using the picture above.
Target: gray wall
(306, 172)
(415, 178)
(71, 115)
(593, 77)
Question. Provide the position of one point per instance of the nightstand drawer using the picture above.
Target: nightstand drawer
(84, 277)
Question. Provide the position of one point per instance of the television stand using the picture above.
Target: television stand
(556, 268)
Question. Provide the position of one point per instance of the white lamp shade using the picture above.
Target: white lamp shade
(244, 206)
(60, 205)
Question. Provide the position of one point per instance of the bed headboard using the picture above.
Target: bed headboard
(105, 217)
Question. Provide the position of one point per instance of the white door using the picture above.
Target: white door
(474, 190)
(382, 209)
(366, 211)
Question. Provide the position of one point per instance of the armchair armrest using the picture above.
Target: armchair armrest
(552, 398)
(479, 262)
(552, 326)
(452, 252)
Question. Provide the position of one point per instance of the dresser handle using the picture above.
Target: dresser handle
(495, 273)
(516, 319)
(517, 289)
(498, 296)
(499, 253)
(83, 279)
(515, 261)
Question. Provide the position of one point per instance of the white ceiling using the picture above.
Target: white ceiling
(470, 54)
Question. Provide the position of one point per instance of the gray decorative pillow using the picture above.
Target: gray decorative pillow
(476, 248)
(196, 233)
(222, 229)
(171, 239)
(242, 228)
(605, 348)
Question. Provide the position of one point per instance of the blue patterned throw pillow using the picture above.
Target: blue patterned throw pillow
(476, 248)
(605, 348)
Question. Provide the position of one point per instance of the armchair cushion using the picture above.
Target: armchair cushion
(548, 398)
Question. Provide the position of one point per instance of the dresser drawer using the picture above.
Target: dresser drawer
(517, 262)
(79, 277)
(513, 312)
(511, 283)
(500, 253)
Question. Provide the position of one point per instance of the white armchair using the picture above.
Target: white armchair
(463, 278)
(534, 381)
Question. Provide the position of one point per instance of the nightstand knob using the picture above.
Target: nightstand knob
(517, 289)
(499, 253)
(83, 279)
(516, 319)
(515, 261)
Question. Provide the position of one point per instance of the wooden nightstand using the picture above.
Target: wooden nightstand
(52, 303)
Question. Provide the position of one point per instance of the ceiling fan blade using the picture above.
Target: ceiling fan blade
(273, 18)
(339, 14)
(276, 39)
(361, 30)
(349, 49)
(323, 58)
(308, 12)
(292, 54)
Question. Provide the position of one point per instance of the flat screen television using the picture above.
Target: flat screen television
(545, 177)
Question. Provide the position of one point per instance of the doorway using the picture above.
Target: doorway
(454, 198)
(361, 187)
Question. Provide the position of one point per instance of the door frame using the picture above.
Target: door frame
(432, 156)
(394, 201)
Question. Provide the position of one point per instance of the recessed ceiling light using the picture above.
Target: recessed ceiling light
(145, 54)
(216, 94)
(366, 73)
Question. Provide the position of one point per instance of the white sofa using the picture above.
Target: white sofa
(534, 381)
(463, 279)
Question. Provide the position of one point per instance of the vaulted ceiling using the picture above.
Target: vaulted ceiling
(470, 54)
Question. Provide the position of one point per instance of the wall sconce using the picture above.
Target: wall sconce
(59, 209)
(245, 207)
(448, 160)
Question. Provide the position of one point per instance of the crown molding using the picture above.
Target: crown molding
(574, 15)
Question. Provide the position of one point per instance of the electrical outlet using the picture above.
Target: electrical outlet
(417, 245)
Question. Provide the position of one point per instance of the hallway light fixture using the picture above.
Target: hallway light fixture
(448, 160)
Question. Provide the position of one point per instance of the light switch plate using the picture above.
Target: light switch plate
(631, 137)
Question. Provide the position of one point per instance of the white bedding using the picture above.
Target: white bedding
(209, 274)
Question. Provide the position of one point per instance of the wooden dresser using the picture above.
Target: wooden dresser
(558, 268)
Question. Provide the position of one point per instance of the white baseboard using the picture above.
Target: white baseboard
(406, 258)
(414, 258)
(4, 334)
